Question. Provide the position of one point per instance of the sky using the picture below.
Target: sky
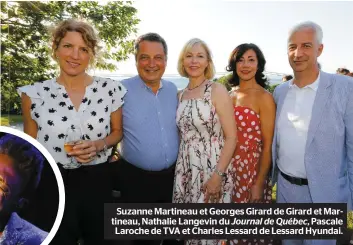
(223, 25)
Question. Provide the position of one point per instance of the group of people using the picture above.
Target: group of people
(344, 71)
(199, 145)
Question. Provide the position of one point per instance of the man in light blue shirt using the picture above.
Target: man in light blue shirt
(150, 139)
(150, 142)
(149, 148)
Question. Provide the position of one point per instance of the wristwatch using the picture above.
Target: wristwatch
(220, 173)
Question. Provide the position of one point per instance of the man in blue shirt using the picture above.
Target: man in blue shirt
(20, 170)
(150, 143)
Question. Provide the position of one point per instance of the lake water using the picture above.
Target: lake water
(180, 82)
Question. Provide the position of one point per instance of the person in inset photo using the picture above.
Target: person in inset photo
(20, 172)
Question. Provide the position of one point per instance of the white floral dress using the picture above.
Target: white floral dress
(202, 140)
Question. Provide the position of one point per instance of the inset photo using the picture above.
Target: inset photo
(32, 196)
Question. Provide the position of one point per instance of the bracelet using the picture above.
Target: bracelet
(105, 147)
(222, 174)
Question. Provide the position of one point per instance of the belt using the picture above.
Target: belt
(295, 180)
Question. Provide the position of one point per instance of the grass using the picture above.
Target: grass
(349, 214)
(7, 119)
(274, 191)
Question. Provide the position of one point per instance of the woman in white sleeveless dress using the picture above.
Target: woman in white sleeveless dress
(208, 133)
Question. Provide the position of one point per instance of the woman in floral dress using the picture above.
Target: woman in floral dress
(254, 111)
(208, 133)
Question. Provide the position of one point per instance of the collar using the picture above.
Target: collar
(59, 88)
(314, 86)
(13, 226)
(143, 84)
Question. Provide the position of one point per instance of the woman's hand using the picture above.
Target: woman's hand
(85, 151)
(256, 193)
(212, 189)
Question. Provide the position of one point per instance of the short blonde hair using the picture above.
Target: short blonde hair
(210, 69)
(89, 35)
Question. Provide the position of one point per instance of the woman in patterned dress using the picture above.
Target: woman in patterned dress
(254, 111)
(207, 131)
(76, 99)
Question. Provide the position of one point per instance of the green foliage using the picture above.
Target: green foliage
(224, 80)
(25, 39)
(271, 88)
(7, 120)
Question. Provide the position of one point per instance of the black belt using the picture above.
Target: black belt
(295, 180)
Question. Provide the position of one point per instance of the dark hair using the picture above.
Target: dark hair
(343, 71)
(152, 37)
(235, 56)
(287, 77)
(28, 161)
(350, 74)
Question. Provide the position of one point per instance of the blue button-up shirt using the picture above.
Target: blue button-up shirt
(150, 139)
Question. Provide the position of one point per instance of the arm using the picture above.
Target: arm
(30, 126)
(267, 118)
(224, 109)
(178, 95)
(179, 99)
(116, 132)
(85, 151)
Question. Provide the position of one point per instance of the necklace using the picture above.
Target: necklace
(196, 86)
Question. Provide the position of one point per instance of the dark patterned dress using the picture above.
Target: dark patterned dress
(201, 144)
(54, 113)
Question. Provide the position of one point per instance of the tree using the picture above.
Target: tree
(224, 80)
(25, 39)
(271, 88)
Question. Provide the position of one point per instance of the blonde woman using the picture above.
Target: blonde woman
(207, 131)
